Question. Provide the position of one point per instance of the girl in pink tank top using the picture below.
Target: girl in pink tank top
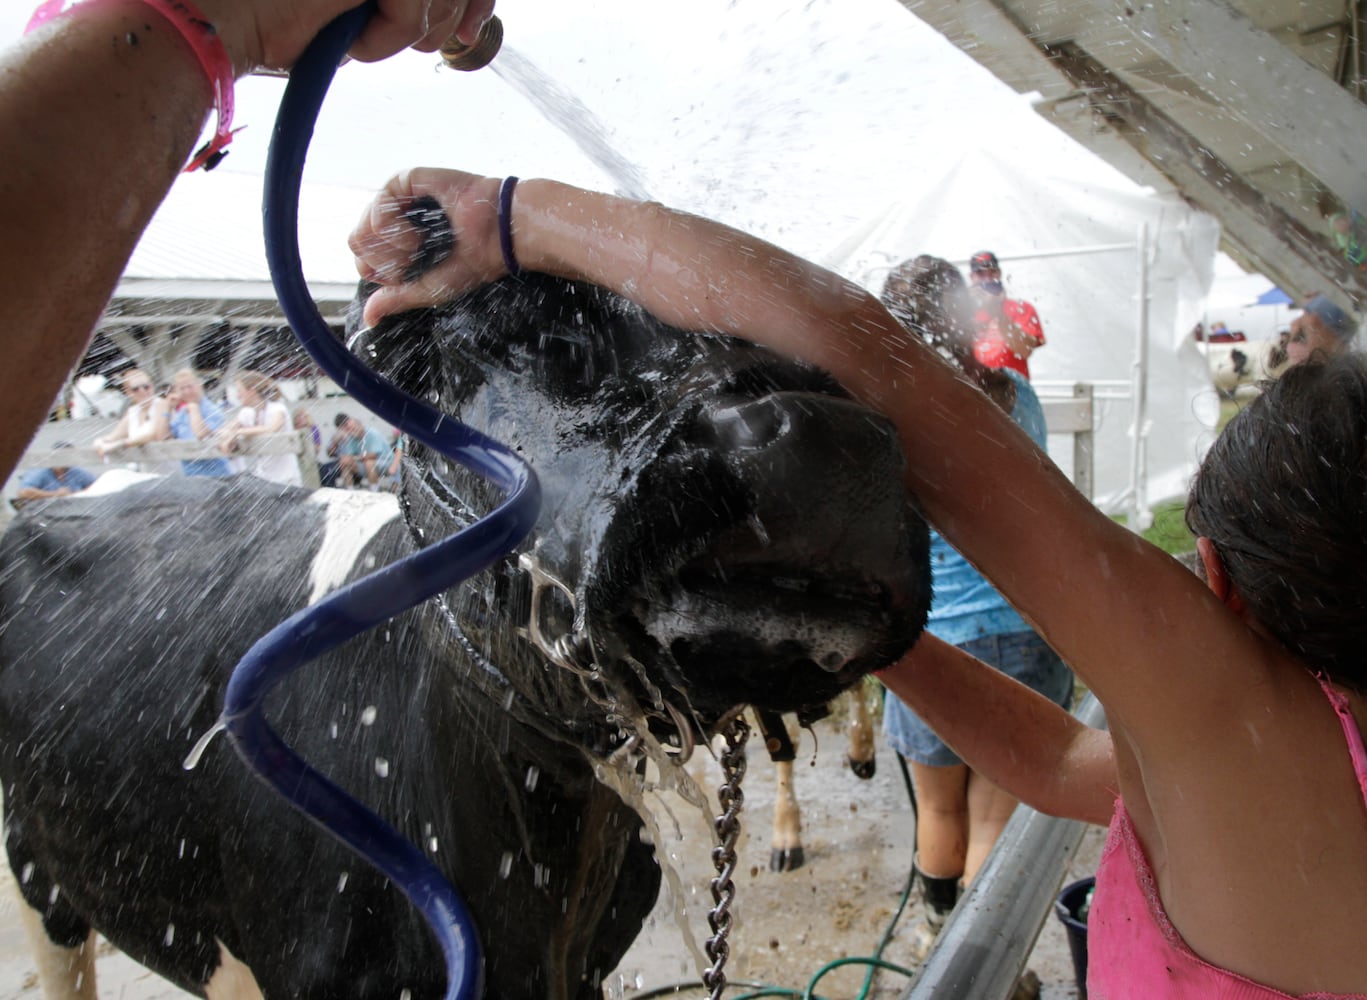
(1239, 856)
(1140, 954)
(1285, 568)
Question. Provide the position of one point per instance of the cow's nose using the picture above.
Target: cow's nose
(803, 429)
(752, 424)
(798, 452)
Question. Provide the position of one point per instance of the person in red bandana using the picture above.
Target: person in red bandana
(1009, 329)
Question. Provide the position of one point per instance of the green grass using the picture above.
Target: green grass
(1169, 530)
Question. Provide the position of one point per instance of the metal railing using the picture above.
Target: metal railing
(1069, 408)
(984, 945)
(39, 456)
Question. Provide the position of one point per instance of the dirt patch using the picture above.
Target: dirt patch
(793, 926)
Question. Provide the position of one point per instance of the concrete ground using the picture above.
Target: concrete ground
(857, 836)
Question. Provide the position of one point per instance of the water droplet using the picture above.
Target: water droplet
(432, 844)
(197, 751)
(170, 934)
(368, 715)
(533, 773)
(382, 767)
(341, 882)
(505, 865)
(27, 874)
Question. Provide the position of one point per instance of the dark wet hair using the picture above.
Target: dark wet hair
(1283, 495)
(924, 294)
(919, 293)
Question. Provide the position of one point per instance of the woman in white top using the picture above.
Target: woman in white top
(146, 419)
(263, 412)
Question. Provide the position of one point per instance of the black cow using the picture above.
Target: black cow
(720, 527)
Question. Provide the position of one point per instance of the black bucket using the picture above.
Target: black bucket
(1070, 901)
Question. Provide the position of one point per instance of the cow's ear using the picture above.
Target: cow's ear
(402, 348)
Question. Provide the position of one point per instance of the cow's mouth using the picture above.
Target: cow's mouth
(728, 632)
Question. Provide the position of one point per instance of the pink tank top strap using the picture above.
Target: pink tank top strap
(1350, 731)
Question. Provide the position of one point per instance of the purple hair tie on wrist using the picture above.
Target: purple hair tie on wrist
(505, 225)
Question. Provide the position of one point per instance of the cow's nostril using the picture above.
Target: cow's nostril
(748, 425)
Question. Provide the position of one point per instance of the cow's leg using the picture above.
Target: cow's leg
(232, 980)
(785, 849)
(66, 972)
(862, 761)
(785, 852)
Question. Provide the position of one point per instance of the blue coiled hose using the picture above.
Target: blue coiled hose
(384, 594)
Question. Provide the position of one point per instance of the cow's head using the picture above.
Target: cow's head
(721, 525)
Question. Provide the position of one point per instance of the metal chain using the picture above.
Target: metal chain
(727, 825)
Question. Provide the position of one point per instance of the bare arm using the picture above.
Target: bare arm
(116, 438)
(1017, 341)
(198, 427)
(273, 424)
(1137, 627)
(1022, 332)
(158, 427)
(34, 493)
(99, 110)
(1017, 738)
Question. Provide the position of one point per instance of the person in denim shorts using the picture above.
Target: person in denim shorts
(959, 813)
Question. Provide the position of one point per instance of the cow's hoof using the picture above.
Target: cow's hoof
(786, 859)
(865, 769)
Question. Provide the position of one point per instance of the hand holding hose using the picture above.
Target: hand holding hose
(390, 247)
(270, 34)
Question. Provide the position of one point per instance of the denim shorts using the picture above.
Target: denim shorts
(1022, 655)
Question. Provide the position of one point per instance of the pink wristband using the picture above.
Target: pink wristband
(202, 37)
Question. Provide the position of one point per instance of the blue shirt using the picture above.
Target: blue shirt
(180, 428)
(964, 606)
(372, 443)
(48, 481)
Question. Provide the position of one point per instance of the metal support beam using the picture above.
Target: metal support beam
(984, 945)
(1281, 247)
(1291, 104)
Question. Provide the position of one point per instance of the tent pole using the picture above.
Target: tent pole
(1139, 516)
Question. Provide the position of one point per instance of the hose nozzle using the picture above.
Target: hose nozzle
(457, 55)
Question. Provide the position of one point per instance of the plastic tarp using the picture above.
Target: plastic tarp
(1057, 239)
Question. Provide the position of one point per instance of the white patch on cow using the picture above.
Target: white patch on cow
(354, 518)
(66, 973)
(115, 481)
(232, 980)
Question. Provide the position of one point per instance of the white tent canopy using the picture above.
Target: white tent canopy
(794, 122)
(1070, 245)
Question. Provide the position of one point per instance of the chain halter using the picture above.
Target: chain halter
(727, 825)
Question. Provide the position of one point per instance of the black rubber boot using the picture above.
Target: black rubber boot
(939, 895)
